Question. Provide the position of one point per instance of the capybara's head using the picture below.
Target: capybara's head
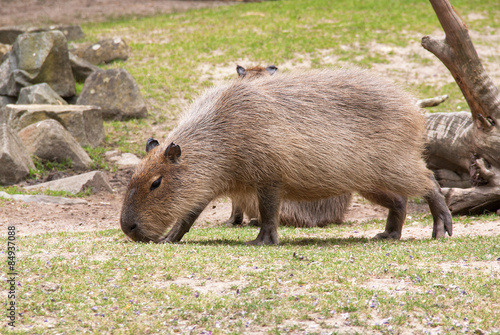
(256, 71)
(145, 217)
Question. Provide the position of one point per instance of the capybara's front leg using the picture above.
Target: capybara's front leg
(397, 212)
(182, 226)
(269, 204)
(236, 218)
(441, 214)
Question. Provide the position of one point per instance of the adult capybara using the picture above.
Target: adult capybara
(317, 213)
(297, 136)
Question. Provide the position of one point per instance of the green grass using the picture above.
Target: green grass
(212, 282)
(19, 190)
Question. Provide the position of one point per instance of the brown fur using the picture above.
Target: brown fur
(318, 213)
(298, 136)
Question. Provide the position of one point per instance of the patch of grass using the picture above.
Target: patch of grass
(99, 161)
(211, 282)
(20, 190)
(43, 167)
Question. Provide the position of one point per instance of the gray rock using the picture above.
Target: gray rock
(5, 100)
(43, 199)
(116, 92)
(15, 161)
(81, 68)
(122, 160)
(104, 51)
(71, 32)
(38, 58)
(41, 94)
(49, 141)
(83, 122)
(8, 35)
(95, 180)
(4, 49)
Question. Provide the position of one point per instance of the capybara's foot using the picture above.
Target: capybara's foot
(442, 224)
(254, 223)
(265, 238)
(388, 236)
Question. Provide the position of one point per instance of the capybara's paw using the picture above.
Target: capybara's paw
(388, 236)
(442, 224)
(268, 239)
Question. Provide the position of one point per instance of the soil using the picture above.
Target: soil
(102, 211)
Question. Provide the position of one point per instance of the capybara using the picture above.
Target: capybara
(317, 213)
(296, 136)
(256, 71)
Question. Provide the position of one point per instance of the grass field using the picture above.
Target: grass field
(317, 281)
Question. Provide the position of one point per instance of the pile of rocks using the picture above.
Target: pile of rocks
(40, 113)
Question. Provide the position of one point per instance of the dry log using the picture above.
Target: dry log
(431, 102)
(465, 143)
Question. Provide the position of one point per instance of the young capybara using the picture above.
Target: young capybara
(317, 213)
(297, 136)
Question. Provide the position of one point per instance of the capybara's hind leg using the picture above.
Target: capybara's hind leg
(269, 204)
(236, 218)
(440, 212)
(397, 212)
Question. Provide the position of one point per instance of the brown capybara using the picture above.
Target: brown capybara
(255, 72)
(317, 213)
(296, 136)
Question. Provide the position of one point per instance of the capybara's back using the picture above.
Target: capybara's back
(324, 132)
(297, 136)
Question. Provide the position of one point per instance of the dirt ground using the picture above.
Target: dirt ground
(34, 12)
(102, 210)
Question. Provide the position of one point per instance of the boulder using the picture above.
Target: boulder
(8, 35)
(15, 161)
(4, 49)
(41, 94)
(81, 68)
(71, 32)
(122, 160)
(6, 100)
(116, 92)
(38, 58)
(83, 122)
(95, 180)
(104, 51)
(42, 199)
(48, 140)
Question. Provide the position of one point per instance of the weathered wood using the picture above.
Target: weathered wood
(464, 143)
(431, 102)
(474, 200)
(458, 54)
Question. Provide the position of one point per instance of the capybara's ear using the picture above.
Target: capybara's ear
(271, 69)
(151, 143)
(241, 71)
(173, 152)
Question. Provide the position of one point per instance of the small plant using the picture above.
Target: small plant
(44, 167)
(99, 162)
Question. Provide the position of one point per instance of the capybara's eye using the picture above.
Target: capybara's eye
(155, 184)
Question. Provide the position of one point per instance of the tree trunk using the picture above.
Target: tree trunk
(462, 143)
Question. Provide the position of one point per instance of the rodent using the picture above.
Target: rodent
(294, 136)
(317, 213)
